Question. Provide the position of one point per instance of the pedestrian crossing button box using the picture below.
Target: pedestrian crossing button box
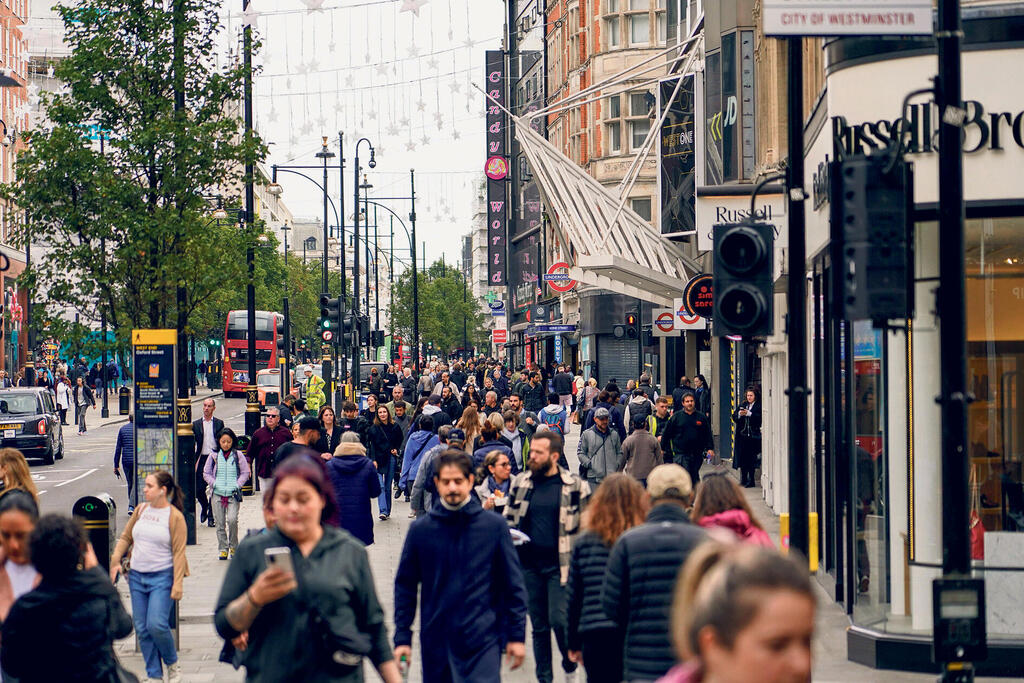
(98, 514)
(958, 607)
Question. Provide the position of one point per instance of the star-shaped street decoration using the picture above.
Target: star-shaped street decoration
(404, 122)
(348, 80)
(391, 130)
(380, 150)
(372, 115)
(313, 65)
(421, 105)
(321, 123)
(292, 141)
(331, 46)
(413, 51)
(410, 146)
(272, 116)
(456, 135)
(306, 129)
(432, 63)
(382, 69)
(469, 42)
(313, 4)
(426, 140)
(366, 58)
(455, 86)
(249, 15)
(412, 6)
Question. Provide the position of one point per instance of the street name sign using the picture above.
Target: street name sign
(556, 328)
(155, 364)
(846, 17)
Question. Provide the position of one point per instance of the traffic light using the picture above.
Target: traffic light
(742, 279)
(364, 330)
(281, 345)
(330, 315)
(871, 214)
(377, 338)
(630, 330)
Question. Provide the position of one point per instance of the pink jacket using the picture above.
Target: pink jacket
(738, 522)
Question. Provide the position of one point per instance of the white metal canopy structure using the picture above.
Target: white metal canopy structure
(616, 249)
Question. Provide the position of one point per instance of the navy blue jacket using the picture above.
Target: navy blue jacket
(355, 484)
(124, 449)
(614, 417)
(474, 598)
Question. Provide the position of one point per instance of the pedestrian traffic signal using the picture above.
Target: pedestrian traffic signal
(330, 314)
(281, 345)
(742, 279)
(377, 338)
(871, 212)
(630, 330)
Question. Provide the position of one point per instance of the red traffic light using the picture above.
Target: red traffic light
(631, 319)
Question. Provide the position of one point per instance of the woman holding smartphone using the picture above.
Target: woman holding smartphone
(156, 537)
(299, 599)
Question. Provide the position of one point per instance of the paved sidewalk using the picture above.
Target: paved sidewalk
(200, 645)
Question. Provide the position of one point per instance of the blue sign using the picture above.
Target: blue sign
(556, 277)
(558, 349)
(556, 328)
(498, 313)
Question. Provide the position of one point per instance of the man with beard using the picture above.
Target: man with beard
(546, 503)
(461, 559)
(687, 437)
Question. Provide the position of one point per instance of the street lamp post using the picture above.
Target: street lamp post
(355, 263)
(325, 154)
(252, 408)
(286, 383)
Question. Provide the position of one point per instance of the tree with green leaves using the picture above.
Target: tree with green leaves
(442, 309)
(117, 185)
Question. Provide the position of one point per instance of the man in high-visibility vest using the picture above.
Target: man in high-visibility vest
(314, 391)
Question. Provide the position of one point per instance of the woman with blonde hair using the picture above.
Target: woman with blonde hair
(720, 503)
(586, 401)
(14, 473)
(470, 424)
(619, 503)
(742, 613)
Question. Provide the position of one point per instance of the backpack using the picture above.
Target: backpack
(553, 421)
(636, 410)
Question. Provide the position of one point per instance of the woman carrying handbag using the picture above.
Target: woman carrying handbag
(155, 542)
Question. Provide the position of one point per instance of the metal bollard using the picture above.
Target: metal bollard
(97, 514)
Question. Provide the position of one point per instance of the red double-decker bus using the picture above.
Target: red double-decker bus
(236, 348)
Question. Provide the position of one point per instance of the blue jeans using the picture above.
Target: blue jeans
(385, 477)
(151, 612)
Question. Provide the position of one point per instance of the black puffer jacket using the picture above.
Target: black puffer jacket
(586, 573)
(78, 618)
(638, 586)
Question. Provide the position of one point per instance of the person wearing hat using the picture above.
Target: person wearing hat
(424, 492)
(600, 449)
(641, 452)
(642, 569)
(355, 482)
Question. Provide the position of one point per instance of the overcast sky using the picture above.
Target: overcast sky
(371, 70)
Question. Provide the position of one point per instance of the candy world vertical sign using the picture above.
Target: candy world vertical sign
(496, 170)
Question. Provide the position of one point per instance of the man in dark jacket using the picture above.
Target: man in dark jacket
(73, 613)
(205, 431)
(641, 575)
(124, 450)
(265, 442)
(534, 395)
(562, 385)
(687, 438)
(474, 599)
(679, 392)
(352, 422)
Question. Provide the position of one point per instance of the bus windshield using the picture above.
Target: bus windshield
(238, 325)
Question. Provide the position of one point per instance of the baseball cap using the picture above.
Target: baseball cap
(669, 481)
(456, 434)
(601, 412)
(639, 422)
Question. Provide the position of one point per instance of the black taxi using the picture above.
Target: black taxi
(29, 421)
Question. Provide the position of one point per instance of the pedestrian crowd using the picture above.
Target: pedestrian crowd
(630, 567)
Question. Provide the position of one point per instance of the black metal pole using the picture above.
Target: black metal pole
(796, 320)
(355, 268)
(956, 556)
(30, 372)
(415, 277)
(286, 384)
(105, 409)
(191, 367)
(252, 408)
(343, 341)
(185, 466)
(366, 242)
(376, 272)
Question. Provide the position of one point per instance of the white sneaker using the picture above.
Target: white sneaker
(174, 673)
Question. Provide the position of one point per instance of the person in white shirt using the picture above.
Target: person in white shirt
(64, 400)
(205, 431)
(156, 537)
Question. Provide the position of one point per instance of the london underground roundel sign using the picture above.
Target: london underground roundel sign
(666, 322)
(558, 278)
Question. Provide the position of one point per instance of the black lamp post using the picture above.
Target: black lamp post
(355, 263)
(325, 154)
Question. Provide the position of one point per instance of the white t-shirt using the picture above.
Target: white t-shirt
(22, 577)
(151, 540)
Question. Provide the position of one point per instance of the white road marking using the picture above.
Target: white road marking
(42, 492)
(81, 476)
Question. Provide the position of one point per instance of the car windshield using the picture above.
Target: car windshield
(18, 404)
(268, 380)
